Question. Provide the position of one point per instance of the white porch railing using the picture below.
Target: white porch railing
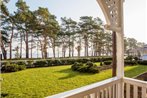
(109, 88)
(135, 88)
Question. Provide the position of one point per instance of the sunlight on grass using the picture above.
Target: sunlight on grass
(41, 82)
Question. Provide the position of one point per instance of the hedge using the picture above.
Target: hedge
(89, 67)
(10, 67)
(144, 62)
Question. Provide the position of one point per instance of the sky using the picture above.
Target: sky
(135, 13)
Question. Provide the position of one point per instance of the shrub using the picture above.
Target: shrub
(49, 62)
(83, 68)
(106, 58)
(128, 62)
(101, 63)
(95, 59)
(56, 62)
(10, 68)
(20, 63)
(21, 67)
(76, 66)
(70, 61)
(89, 67)
(89, 64)
(144, 62)
(94, 69)
(30, 64)
(40, 64)
(107, 62)
(84, 60)
(129, 58)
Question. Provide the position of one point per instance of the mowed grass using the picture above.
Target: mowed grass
(41, 82)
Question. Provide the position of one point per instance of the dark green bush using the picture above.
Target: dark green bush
(76, 66)
(107, 62)
(144, 62)
(95, 59)
(89, 64)
(56, 62)
(128, 62)
(106, 59)
(83, 68)
(21, 63)
(136, 58)
(12, 67)
(41, 64)
(30, 64)
(70, 61)
(101, 63)
(89, 67)
(94, 69)
(130, 58)
(21, 67)
(84, 60)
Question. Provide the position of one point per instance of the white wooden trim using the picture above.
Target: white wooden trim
(110, 86)
(87, 89)
(135, 82)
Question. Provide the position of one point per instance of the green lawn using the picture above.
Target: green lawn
(41, 82)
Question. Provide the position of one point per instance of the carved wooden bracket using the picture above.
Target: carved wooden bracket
(113, 12)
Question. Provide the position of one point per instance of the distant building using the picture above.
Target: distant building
(139, 52)
(144, 57)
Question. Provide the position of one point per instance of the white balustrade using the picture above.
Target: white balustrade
(109, 88)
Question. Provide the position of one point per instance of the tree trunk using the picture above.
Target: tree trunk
(4, 52)
(20, 45)
(11, 41)
(58, 53)
(27, 45)
(85, 47)
(53, 47)
(87, 53)
(69, 48)
(54, 51)
(114, 59)
(31, 46)
(63, 51)
(73, 49)
(45, 47)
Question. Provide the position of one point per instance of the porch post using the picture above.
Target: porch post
(114, 54)
(120, 43)
(120, 50)
(113, 12)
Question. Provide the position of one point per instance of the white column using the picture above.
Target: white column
(120, 50)
(120, 54)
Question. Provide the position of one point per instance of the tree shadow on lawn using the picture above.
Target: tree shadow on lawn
(4, 95)
(71, 73)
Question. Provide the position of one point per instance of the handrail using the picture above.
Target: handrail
(94, 86)
(135, 82)
(109, 87)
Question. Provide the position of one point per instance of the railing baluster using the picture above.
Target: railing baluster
(116, 91)
(110, 91)
(98, 94)
(106, 93)
(135, 91)
(88, 96)
(127, 90)
(102, 93)
(113, 91)
(144, 92)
